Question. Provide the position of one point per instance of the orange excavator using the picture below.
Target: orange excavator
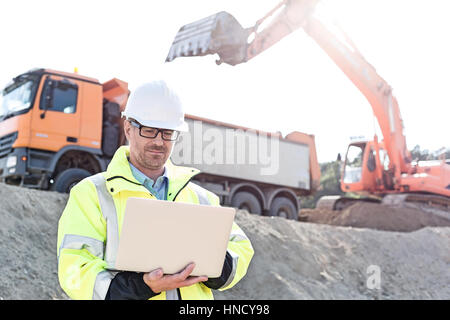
(378, 170)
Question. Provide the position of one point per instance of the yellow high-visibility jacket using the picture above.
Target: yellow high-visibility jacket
(91, 224)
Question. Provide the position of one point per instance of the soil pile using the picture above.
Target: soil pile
(298, 260)
(28, 229)
(378, 216)
(293, 259)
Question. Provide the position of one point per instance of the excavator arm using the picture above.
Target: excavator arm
(223, 35)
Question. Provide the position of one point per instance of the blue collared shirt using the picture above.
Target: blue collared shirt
(158, 188)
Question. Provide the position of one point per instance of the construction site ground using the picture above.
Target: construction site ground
(325, 255)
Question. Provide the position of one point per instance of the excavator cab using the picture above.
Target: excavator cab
(353, 165)
(366, 168)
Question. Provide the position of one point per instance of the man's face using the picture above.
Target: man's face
(149, 153)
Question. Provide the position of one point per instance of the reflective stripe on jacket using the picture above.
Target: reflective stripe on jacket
(90, 226)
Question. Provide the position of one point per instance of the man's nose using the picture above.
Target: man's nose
(158, 139)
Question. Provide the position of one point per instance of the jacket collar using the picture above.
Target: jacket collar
(119, 176)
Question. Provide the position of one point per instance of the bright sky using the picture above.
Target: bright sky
(291, 86)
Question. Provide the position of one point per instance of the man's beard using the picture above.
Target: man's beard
(153, 162)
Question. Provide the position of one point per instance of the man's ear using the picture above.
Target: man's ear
(127, 129)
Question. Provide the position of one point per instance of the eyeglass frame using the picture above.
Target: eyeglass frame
(136, 124)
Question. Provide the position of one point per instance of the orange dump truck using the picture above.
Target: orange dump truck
(57, 128)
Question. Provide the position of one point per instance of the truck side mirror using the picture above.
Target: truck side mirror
(47, 95)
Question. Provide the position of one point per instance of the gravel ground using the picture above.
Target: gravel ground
(293, 260)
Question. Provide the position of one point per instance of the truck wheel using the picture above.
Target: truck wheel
(68, 178)
(246, 201)
(283, 207)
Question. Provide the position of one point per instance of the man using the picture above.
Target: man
(89, 228)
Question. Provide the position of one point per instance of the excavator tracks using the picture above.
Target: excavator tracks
(439, 205)
(437, 201)
(341, 202)
(435, 204)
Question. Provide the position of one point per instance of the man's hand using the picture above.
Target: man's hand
(158, 282)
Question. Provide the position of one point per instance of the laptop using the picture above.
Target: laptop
(170, 235)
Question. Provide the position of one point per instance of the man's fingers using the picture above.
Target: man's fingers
(158, 282)
(155, 274)
(185, 272)
(189, 268)
(192, 280)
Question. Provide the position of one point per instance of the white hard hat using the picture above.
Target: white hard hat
(154, 104)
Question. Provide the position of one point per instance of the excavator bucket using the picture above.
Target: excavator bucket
(220, 33)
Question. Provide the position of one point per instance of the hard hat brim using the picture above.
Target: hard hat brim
(183, 126)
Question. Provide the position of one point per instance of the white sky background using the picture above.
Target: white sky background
(292, 86)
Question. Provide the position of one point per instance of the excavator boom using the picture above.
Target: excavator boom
(222, 34)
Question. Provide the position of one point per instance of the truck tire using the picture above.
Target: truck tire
(68, 178)
(246, 201)
(283, 207)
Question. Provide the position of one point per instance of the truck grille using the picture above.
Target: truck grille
(6, 143)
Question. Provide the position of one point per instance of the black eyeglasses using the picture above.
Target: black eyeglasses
(151, 133)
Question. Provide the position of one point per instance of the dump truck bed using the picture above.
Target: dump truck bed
(241, 153)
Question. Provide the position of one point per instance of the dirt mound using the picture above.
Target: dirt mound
(293, 260)
(28, 229)
(297, 260)
(376, 216)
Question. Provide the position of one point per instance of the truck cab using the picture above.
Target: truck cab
(51, 121)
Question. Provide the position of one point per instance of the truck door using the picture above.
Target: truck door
(56, 122)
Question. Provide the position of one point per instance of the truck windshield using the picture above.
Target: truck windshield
(18, 96)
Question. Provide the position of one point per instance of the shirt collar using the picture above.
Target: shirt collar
(119, 172)
(141, 177)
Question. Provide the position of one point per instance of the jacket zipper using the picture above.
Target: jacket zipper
(184, 186)
(109, 179)
(178, 289)
(115, 177)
